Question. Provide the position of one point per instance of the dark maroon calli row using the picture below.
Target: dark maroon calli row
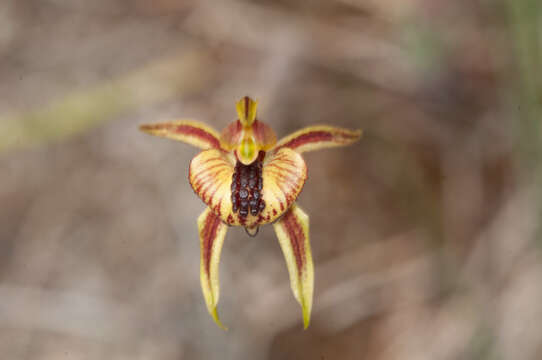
(246, 187)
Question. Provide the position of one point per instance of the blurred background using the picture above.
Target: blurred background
(425, 234)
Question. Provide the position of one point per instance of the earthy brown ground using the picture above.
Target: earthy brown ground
(425, 234)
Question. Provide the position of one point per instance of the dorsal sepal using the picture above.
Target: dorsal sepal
(246, 110)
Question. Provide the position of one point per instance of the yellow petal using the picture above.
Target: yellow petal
(318, 137)
(212, 232)
(191, 132)
(210, 175)
(284, 176)
(293, 234)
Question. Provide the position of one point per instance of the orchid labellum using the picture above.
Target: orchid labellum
(248, 179)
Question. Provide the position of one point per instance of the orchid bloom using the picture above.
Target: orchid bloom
(248, 179)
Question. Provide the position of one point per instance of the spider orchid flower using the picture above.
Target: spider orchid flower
(248, 179)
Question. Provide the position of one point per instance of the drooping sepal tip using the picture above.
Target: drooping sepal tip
(307, 288)
(214, 314)
(292, 231)
(306, 316)
(212, 232)
(246, 110)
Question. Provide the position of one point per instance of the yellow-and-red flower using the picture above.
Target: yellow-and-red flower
(248, 179)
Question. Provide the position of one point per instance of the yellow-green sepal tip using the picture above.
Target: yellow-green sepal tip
(306, 316)
(246, 110)
(214, 314)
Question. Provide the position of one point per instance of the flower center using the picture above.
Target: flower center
(246, 187)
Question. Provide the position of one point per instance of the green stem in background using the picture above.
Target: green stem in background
(525, 21)
(80, 111)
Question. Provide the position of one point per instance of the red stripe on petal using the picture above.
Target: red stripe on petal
(297, 239)
(318, 137)
(211, 159)
(205, 171)
(194, 131)
(247, 104)
(283, 169)
(188, 131)
(315, 136)
(208, 236)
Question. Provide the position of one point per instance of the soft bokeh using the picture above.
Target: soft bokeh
(426, 234)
